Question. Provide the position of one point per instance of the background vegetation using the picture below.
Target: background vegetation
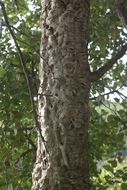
(108, 107)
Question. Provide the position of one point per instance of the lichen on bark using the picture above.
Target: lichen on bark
(63, 97)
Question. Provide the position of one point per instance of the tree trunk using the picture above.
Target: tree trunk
(62, 161)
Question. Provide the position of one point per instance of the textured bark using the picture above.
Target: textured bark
(62, 163)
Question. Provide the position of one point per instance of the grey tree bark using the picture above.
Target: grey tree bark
(62, 160)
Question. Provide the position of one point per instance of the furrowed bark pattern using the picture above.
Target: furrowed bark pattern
(63, 97)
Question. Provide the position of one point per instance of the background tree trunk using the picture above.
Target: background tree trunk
(62, 162)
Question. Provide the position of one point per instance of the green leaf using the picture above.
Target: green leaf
(2, 72)
(124, 186)
(113, 163)
(108, 168)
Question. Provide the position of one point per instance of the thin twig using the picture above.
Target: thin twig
(96, 75)
(22, 62)
(111, 92)
(23, 155)
(108, 93)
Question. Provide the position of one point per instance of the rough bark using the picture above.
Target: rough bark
(62, 162)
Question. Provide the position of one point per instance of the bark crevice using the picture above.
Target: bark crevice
(64, 115)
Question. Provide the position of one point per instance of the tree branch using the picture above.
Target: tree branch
(22, 62)
(122, 13)
(96, 75)
(109, 93)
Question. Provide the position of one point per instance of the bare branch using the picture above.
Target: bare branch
(96, 75)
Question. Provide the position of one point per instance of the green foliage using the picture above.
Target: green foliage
(108, 128)
(108, 148)
(17, 128)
